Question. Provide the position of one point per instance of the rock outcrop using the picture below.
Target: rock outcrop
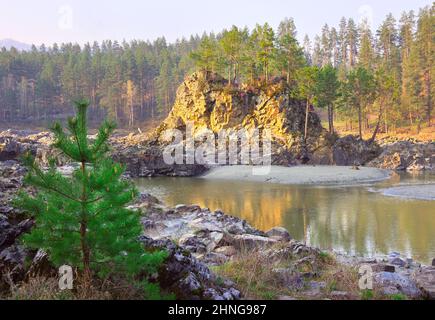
(406, 155)
(207, 102)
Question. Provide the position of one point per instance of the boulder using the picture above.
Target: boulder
(395, 283)
(279, 233)
(351, 150)
(186, 277)
(425, 280)
(249, 242)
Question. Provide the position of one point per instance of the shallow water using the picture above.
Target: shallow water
(358, 220)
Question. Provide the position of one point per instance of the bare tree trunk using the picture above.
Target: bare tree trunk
(378, 124)
(360, 121)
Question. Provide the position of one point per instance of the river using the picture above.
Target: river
(358, 219)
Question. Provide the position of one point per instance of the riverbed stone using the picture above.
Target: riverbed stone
(425, 279)
(394, 283)
(382, 267)
(226, 250)
(398, 262)
(248, 241)
(279, 233)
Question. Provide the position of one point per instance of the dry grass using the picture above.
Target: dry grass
(253, 272)
(42, 288)
(254, 277)
(426, 134)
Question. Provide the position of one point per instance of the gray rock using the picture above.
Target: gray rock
(279, 233)
(185, 276)
(433, 262)
(381, 267)
(248, 241)
(393, 283)
(398, 262)
(351, 150)
(339, 295)
(425, 279)
(227, 250)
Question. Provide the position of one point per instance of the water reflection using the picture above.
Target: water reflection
(350, 219)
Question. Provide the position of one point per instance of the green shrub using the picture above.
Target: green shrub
(82, 219)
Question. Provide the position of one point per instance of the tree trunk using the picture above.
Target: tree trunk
(378, 124)
(360, 121)
(86, 254)
(331, 119)
(307, 110)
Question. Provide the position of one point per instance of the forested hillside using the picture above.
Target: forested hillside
(380, 80)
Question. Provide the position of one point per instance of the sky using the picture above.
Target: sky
(80, 21)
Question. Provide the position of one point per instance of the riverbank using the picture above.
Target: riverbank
(300, 175)
(272, 265)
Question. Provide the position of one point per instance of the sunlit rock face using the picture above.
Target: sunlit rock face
(206, 101)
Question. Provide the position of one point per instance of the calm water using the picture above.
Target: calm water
(351, 219)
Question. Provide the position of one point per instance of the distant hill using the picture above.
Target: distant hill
(8, 43)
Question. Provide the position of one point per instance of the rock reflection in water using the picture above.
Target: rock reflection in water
(349, 219)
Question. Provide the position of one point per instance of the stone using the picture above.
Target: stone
(398, 262)
(433, 262)
(41, 266)
(339, 295)
(187, 277)
(227, 250)
(425, 280)
(353, 151)
(289, 278)
(279, 233)
(394, 283)
(382, 267)
(247, 241)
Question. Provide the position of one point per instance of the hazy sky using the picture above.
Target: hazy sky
(49, 21)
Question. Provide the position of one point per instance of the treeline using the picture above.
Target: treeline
(129, 82)
(380, 80)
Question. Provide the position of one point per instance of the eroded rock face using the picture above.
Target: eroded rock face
(406, 155)
(350, 150)
(186, 277)
(206, 102)
(12, 226)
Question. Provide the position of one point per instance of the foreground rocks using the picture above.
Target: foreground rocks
(12, 226)
(215, 238)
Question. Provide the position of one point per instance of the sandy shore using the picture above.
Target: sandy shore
(301, 175)
(421, 192)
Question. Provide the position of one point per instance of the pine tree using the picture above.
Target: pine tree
(82, 220)
(359, 91)
(326, 91)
